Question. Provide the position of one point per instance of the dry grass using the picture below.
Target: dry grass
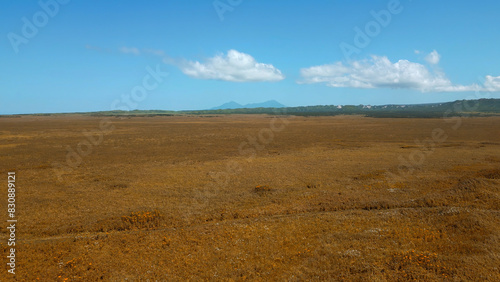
(172, 198)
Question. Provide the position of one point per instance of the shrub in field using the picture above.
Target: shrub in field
(262, 188)
(142, 220)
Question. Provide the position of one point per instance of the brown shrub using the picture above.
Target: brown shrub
(489, 173)
(142, 220)
(262, 189)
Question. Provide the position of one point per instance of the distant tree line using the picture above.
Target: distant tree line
(481, 107)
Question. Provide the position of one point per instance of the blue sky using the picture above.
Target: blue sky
(74, 56)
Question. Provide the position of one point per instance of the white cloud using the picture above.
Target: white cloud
(155, 52)
(235, 66)
(433, 58)
(417, 52)
(492, 83)
(380, 72)
(130, 50)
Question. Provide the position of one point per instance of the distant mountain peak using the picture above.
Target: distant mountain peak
(228, 105)
(234, 105)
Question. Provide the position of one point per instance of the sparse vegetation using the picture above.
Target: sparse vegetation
(469, 108)
(325, 200)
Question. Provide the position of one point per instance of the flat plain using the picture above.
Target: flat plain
(253, 197)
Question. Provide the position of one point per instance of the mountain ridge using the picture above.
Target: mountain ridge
(233, 105)
(478, 107)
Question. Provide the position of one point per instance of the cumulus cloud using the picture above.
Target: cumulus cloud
(234, 66)
(433, 58)
(492, 83)
(380, 72)
(130, 50)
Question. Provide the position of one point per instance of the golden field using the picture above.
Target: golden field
(253, 197)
